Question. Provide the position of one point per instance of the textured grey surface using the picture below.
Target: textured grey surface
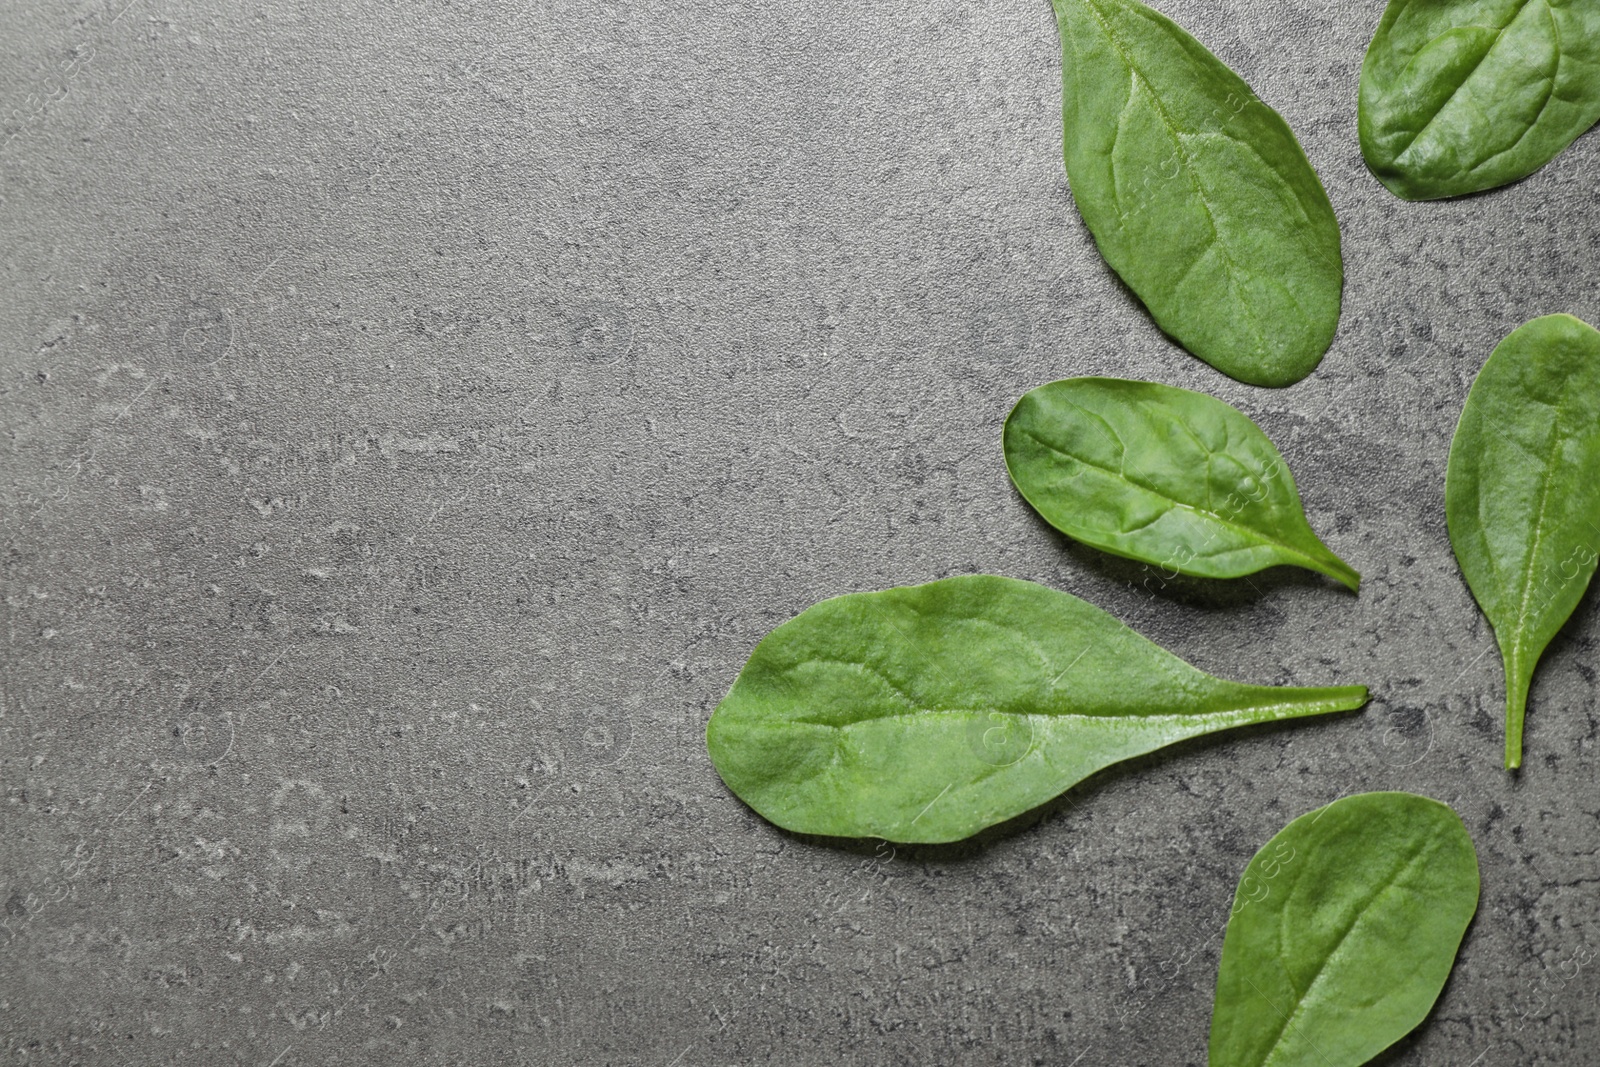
(413, 415)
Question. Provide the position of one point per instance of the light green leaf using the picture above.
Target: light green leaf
(1522, 493)
(1197, 193)
(1463, 95)
(926, 713)
(1344, 929)
(1160, 474)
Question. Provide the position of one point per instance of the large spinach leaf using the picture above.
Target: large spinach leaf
(926, 713)
(1197, 193)
(1462, 95)
(1344, 929)
(1164, 475)
(1522, 492)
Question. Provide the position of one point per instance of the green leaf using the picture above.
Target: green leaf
(926, 713)
(1197, 193)
(1463, 95)
(1344, 929)
(1522, 493)
(1164, 475)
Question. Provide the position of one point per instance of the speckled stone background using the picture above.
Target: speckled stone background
(414, 413)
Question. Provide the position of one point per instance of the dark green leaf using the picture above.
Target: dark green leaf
(1344, 929)
(1164, 475)
(1462, 95)
(1197, 193)
(927, 713)
(1522, 493)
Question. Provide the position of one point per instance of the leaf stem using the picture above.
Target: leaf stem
(1340, 571)
(1516, 710)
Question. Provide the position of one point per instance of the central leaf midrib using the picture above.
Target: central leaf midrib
(1544, 106)
(1212, 515)
(1217, 241)
(916, 708)
(1324, 696)
(1302, 999)
(1487, 52)
(1546, 472)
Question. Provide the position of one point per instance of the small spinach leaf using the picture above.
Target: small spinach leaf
(926, 713)
(1164, 475)
(1463, 95)
(1522, 492)
(1344, 929)
(1197, 193)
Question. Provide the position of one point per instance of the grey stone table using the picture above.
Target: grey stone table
(414, 413)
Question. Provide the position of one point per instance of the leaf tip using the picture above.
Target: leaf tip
(1342, 572)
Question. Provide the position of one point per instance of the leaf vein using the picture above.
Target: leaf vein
(1302, 999)
(1230, 268)
(1174, 502)
(1498, 37)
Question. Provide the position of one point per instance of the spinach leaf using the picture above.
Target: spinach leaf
(1344, 929)
(1522, 493)
(1197, 193)
(1164, 475)
(1463, 95)
(926, 713)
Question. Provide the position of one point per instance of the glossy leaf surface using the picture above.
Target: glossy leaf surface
(1522, 493)
(1160, 474)
(926, 713)
(1197, 193)
(1463, 95)
(1344, 929)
